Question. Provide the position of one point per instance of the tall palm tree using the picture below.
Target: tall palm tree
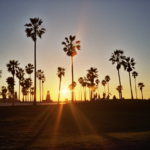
(12, 67)
(33, 30)
(81, 80)
(130, 63)
(4, 92)
(60, 74)
(70, 48)
(104, 84)
(20, 75)
(119, 89)
(39, 75)
(118, 58)
(141, 85)
(135, 74)
(29, 70)
(10, 82)
(26, 83)
(92, 75)
(107, 79)
(43, 81)
(97, 81)
(32, 93)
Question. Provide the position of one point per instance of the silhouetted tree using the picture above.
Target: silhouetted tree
(12, 67)
(141, 85)
(29, 70)
(104, 84)
(72, 86)
(97, 81)
(26, 83)
(70, 48)
(81, 80)
(32, 93)
(107, 79)
(135, 74)
(33, 30)
(60, 74)
(43, 81)
(118, 58)
(4, 92)
(119, 89)
(92, 75)
(10, 82)
(130, 63)
(39, 75)
(20, 75)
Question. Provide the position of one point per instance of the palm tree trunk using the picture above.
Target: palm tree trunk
(85, 93)
(35, 70)
(13, 101)
(59, 90)
(130, 85)
(19, 90)
(40, 89)
(135, 88)
(81, 93)
(120, 93)
(108, 87)
(72, 77)
(142, 93)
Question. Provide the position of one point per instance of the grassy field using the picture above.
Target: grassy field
(106, 125)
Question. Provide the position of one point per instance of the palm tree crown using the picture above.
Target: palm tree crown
(141, 85)
(34, 28)
(29, 69)
(118, 57)
(71, 46)
(134, 74)
(12, 66)
(60, 72)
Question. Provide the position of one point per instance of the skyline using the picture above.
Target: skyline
(100, 27)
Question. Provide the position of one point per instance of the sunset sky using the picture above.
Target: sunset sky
(101, 25)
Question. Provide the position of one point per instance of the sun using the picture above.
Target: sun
(65, 93)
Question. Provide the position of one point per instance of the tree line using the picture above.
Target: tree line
(71, 47)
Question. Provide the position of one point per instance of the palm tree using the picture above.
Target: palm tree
(118, 58)
(20, 75)
(135, 74)
(60, 74)
(32, 92)
(10, 82)
(104, 84)
(141, 85)
(29, 70)
(39, 75)
(26, 83)
(33, 30)
(43, 80)
(12, 68)
(4, 92)
(92, 75)
(97, 81)
(130, 63)
(107, 79)
(70, 48)
(81, 80)
(119, 89)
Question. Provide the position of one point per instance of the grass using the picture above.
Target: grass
(106, 125)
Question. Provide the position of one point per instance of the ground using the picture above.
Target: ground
(106, 125)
